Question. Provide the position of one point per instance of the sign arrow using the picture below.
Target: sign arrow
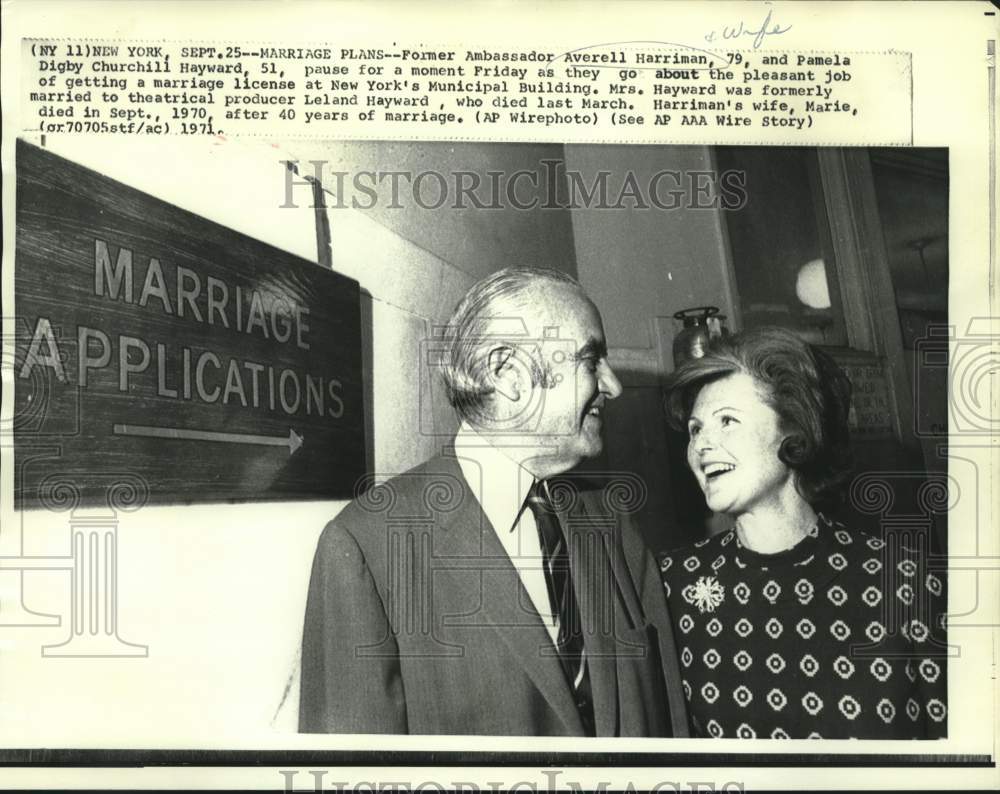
(293, 440)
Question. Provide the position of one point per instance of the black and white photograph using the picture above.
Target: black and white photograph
(642, 417)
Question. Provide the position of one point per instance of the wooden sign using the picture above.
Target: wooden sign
(162, 349)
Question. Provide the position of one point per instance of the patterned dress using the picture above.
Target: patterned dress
(841, 636)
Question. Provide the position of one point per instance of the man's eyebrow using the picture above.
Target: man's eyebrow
(593, 348)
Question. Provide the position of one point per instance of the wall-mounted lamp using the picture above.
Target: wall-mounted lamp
(811, 286)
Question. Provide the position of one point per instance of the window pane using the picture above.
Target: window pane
(784, 266)
(911, 186)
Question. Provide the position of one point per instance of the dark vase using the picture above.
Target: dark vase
(701, 323)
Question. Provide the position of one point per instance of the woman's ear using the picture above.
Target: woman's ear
(794, 450)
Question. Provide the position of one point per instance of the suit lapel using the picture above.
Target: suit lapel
(467, 535)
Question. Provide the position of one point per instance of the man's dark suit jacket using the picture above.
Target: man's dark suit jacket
(417, 622)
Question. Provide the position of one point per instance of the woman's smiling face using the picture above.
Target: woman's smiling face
(734, 438)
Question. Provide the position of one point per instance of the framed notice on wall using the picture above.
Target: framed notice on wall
(160, 352)
(870, 417)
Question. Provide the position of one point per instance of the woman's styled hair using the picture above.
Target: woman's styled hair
(802, 383)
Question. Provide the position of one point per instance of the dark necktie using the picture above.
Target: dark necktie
(562, 600)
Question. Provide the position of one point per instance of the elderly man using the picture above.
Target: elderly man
(490, 591)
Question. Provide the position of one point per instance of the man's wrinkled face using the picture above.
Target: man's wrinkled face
(566, 408)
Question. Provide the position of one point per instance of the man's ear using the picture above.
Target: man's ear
(504, 372)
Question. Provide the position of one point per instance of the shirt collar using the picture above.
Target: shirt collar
(498, 482)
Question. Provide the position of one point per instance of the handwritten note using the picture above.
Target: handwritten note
(767, 27)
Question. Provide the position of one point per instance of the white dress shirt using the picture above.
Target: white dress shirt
(501, 486)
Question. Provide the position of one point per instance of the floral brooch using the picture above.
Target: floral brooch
(706, 593)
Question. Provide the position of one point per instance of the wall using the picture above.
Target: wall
(640, 266)
(673, 258)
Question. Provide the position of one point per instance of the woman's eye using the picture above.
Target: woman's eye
(693, 431)
(729, 420)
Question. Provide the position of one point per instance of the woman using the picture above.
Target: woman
(790, 625)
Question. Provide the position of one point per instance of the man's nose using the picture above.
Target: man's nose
(609, 384)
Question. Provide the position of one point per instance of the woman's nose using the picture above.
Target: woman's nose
(702, 441)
